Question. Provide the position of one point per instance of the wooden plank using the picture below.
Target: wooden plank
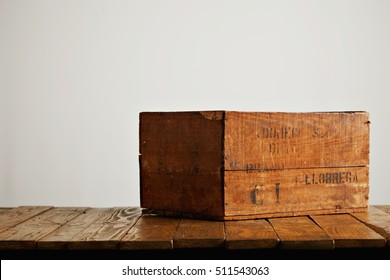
(20, 214)
(385, 208)
(377, 220)
(301, 233)
(107, 230)
(292, 192)
(199, 234)
(151, 233)
(348, 232)
(250, 234)
(26, 234)
(180, 160)
(60, 238)
(264, 141)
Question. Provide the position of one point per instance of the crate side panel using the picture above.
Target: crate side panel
(181, 193)
(181, 161)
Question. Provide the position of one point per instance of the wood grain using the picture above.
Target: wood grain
(250, 234)
(60, 238)
(246, 165)
(301, 233)
(377, 220)
(291, 192)
(385, 208)
(26, 234)
(121, 228)
(151, 232)
(15, 216)
(178, 194)
(199, 234)
(181, 160)
(348, 232)
(107, 230)
(264, 141)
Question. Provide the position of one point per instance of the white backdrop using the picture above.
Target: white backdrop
(75, 74)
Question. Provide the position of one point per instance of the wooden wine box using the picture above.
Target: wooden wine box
(227, 165)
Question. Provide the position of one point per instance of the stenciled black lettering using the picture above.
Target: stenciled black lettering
(334, 178)
(328, 178)
(283, 132)
(307, 180)
(348, 177)
(321, 178)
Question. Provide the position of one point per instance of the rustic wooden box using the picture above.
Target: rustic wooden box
(230, 165)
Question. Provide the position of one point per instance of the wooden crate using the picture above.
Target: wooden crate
(228, 165)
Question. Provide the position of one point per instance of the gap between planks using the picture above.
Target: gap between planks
(151, 233)
(199, 234)
(60, 238)
(250, 234)
(297, 233)
(124, 228)
(24, 235)
(107, 231)
(15, 216)
(376, 219)
(349, 232)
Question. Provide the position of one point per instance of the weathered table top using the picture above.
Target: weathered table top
(127, 228)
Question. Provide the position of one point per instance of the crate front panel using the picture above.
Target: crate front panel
(296, 191)
(263, 141)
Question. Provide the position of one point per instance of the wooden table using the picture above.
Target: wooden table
(127, 232)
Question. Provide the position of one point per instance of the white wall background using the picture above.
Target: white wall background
(75, 74)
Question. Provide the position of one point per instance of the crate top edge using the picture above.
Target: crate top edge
(254, 112)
